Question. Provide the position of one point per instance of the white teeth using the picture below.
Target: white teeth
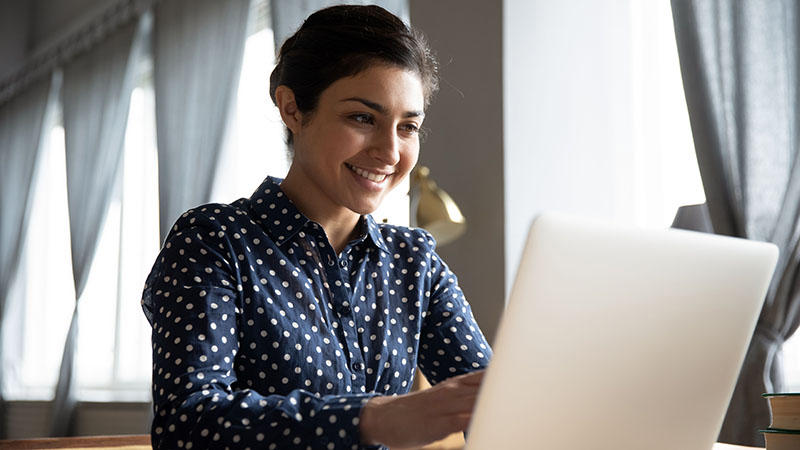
(368, 175)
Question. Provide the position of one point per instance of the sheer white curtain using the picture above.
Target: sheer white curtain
(198, 48)
(97, 89)
(22, 127)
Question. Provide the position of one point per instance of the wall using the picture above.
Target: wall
(31, 419)
(464, 149)
(55, 19)
(567, 97)
(14, 34)
(30, 27)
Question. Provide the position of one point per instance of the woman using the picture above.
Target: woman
(292, 319)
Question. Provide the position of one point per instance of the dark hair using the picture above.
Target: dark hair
(342, 41)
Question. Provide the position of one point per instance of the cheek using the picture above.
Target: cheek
(409, 157)
(343, 143)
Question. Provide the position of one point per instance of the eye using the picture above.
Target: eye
(410, 128)
(363, 118)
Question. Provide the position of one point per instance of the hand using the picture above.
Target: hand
(419, 418)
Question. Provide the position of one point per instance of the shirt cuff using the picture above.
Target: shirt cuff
(338, 421)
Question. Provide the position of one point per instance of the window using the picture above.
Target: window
(113, 340)
(113, 357)
(663, 162)
(43, 295)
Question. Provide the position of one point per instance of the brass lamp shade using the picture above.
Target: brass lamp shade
(433, 209)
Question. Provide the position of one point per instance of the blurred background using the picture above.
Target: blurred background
(133, 111)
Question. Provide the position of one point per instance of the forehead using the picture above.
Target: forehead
(392, 87)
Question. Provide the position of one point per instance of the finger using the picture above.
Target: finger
(458, 422)
(455, 404)
(472, 378)
(454, 391)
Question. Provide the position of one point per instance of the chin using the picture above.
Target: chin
(365, 208)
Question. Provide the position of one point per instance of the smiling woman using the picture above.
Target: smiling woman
(360, 143)
(292, 318)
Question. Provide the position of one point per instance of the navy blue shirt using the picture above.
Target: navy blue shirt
(264, 337)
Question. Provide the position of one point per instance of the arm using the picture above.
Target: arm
(451, 342)
(419, 418)
(193, 297)
(453, 352)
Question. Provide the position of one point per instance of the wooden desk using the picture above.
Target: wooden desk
(138, 442)
(142, 442)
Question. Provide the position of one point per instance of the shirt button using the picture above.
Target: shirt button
(343, 264)
(331, 262)
(358, 366)
(345, 310)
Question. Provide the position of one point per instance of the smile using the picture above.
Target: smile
(366, 174)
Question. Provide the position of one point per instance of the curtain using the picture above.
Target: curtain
(197, 58)
(96, 97)
(739, 64)
(22, 129)
(288, 15)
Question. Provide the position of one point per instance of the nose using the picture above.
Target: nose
(387, 147)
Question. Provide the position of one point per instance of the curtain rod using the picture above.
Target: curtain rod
(76, 43)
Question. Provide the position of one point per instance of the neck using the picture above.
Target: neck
(339, 223)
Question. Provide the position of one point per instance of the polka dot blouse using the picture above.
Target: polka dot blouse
(264, 337)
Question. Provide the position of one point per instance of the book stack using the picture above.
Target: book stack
(783, 432)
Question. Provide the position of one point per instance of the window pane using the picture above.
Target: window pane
(254, 146)
(140, 242)
(45, 294)
(97, 307)
(114, 343)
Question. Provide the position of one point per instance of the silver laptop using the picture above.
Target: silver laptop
(620, 338)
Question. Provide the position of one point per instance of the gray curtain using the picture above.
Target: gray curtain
(288, 15)
(96, 98)
(22, 128)
(739, 62)
(197, 58)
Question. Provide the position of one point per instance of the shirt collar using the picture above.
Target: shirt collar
(275, 212)
(282, 220)
(374, 233)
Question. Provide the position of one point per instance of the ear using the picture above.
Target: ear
(292, 117)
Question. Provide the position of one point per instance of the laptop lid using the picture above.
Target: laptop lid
(620, 338)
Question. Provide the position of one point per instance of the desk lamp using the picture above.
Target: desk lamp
(433, 209)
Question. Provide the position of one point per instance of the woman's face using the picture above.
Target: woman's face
(362, 139)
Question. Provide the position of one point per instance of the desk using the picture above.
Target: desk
(138, 442)
(142, 442)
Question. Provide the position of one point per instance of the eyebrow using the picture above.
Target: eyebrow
(381, 109)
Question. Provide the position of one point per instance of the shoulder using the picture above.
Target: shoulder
(401, 237)
(214, 216)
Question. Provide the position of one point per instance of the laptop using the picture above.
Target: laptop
(620, 338)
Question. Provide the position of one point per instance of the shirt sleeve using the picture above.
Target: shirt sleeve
(192, 299)
(451, 342)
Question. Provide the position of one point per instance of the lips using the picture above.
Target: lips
(376, 177)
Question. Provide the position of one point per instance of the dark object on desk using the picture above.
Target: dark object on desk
(781, 439)
(785, 411)
(784, 429)
(693, 218)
